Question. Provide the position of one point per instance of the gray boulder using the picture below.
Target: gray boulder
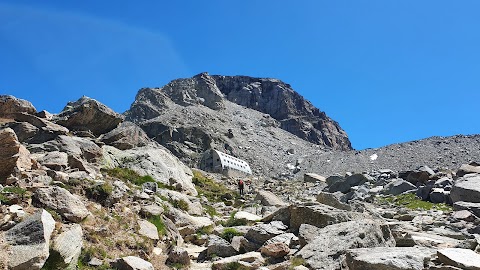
(313, 178)
(63, 202)
(398, 186)
(153, 160)
(267, 198)
(89, 114)
(289, 239)
(32, 129)
(458, 257)
(126, 136)
(439, 195)
(217, 246)
(332, 200)
(54, 160)
(132, 263)
(472, 207)
(67, 247)
(332, 241)
(29, 242)
(306, 233)
(466, 189)
(319, 215)
(10, 104)
(468, 168)
(388, 258)
(147, 229)
(178, 255)
(261, 233)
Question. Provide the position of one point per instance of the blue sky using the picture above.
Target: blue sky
(388, 71)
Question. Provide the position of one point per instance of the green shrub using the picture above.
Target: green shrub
(296, 261)
(229, 233)
(158, 222)
(100, 192)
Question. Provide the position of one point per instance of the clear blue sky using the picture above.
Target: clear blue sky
(388, 71)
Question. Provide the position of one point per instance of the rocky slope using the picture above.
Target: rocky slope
(78, 195)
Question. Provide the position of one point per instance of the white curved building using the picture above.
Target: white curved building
(216, 161)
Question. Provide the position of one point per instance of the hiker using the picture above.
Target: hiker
(240, 187)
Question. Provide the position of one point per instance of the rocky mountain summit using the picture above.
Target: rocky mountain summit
(218, 98)
(86, 189)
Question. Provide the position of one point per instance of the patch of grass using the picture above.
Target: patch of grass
(229, 233)
(99, 192)
(15, 190)
(213, 191)
(411, 201)
(235, 266)
(232, 221)
(205, 230)
(131, 176)
(180, 204)
(210, 210)
(296, 261)
(158, 222)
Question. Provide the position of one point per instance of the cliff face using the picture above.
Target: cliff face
(270, 96)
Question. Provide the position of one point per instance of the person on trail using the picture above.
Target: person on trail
(240, 187)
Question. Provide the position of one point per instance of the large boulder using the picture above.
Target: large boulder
(466, 189)
(89, 114)
(472, 207)
(66, 248)
(32, 129)
(29, 242)
(463, 258)
(398, 186)
(153, 160)
(275, 250)
(388, 258)
(217, 246)
(54, 160)
(80, 148)
(62, 201)
(11, 104)
(148, 229)
(332, 200)
(332, 242)
(126, 136)
(319, 215)
(13, 155)
(267, 198)
(468, 168)
(261, 233)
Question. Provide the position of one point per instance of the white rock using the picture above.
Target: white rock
(133, 263)
(247, 216)
(147, 229)
(463, 258)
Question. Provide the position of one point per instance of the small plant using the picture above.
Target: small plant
(180, 204)
(158, 222)
(210, 210)
(296, 261)
(235, 266)
(229, 233)
(100, 192)
(232, 221)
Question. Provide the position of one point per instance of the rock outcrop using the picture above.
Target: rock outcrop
(11, 104)
(87, 114)
(13, 155)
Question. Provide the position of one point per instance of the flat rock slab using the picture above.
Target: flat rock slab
(388, 258)
(459, 257)
(247, 216)
(466, 189)
(133, 263)
(63, 202)
(332, 241)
